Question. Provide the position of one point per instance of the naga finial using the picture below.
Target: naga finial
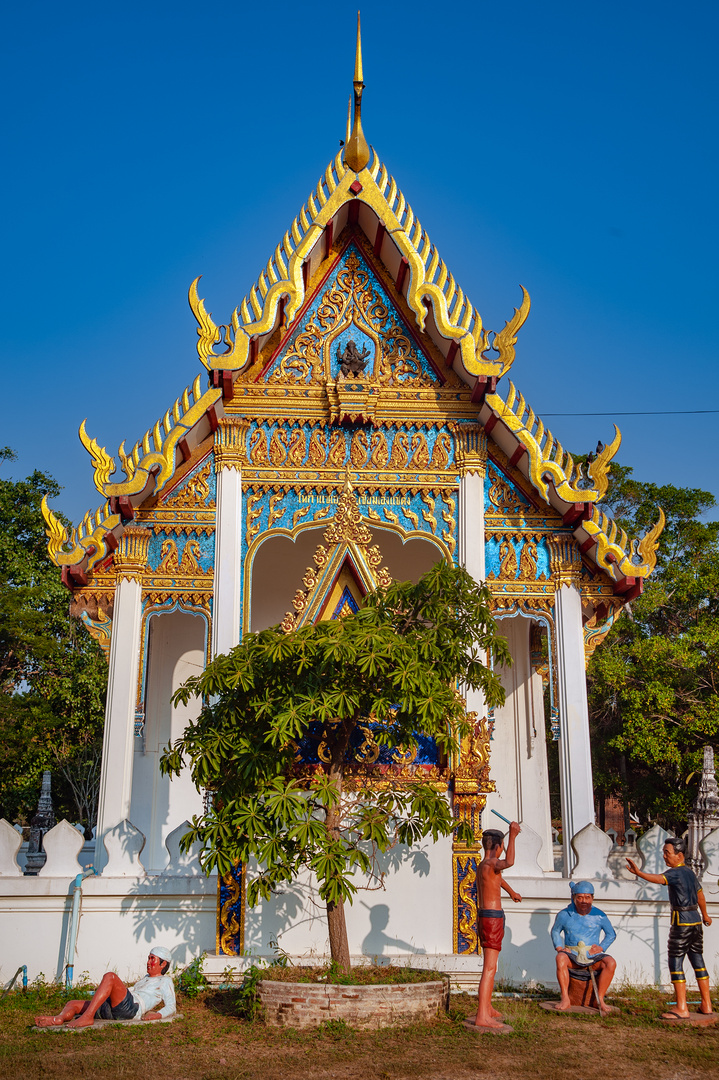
(357, 150)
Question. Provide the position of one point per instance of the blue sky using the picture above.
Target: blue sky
(569, 147)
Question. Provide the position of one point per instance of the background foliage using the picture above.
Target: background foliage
(53, 676)
(654, 683)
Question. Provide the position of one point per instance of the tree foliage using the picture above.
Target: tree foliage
(654, 683)
(393, 665)
(52, 674)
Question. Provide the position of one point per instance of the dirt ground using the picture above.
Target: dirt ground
(211, 1043)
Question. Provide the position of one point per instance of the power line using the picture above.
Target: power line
(666, 412)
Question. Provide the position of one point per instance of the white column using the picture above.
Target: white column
(575, 758)
(124, 662)
(471, 524)
(471, 443)
(227, 588)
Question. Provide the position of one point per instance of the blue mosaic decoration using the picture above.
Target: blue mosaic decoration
(364, 750)
(231, 912)
(197, 489)
(517, 556)
(503, 496)
(181, 555)
(267, 511)
(346, 601)
(466, 938)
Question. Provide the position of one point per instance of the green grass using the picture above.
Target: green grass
(212, 1042)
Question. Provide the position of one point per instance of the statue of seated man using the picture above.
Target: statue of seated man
(581, 931)
(114, 1001)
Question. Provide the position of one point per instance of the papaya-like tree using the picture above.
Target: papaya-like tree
(388, 673)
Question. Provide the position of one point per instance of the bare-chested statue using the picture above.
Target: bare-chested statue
(114, 1001)
(490, 916)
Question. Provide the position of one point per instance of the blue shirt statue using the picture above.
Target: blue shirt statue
(588, 933)
(593, 929)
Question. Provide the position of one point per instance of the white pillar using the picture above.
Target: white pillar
(118, 739)
(227, 588)
(575, 758)
(471, 524)
(471, 444)
(471, 453)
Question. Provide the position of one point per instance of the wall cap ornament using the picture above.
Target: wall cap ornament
(131, 556)
(230, 443)
(565, 560)
(471, 448)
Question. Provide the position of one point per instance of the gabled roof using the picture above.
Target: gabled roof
(356, 189)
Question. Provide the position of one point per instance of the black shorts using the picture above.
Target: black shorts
(126, 1010)
(687, 938)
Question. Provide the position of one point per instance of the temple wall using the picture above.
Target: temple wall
(122, 917)
(518, 760)
(412, 914)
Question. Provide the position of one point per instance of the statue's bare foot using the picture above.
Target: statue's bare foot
(48, 1021)
(563, 1005)
(493, 1012)
(487, 1021)
(82, 1021)
(604, 1010)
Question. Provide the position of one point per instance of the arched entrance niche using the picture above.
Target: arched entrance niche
(278, 564)
(175, 650)
(519, 745)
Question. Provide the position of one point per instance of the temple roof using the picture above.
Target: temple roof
(369, 199)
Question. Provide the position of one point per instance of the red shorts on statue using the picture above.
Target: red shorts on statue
(491, 929)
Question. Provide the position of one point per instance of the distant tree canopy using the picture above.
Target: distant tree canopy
(654, 683)
(53, 676)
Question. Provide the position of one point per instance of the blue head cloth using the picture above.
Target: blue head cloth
(581, 887)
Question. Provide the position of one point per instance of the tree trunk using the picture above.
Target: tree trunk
(339, 945)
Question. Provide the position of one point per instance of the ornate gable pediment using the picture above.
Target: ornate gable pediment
(355, 343)
(347, 567)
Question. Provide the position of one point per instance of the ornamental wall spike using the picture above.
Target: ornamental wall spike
(155, 453)
(546, 456)
(235, 339)
(104, 465)
(618, 556)
(87, 540)
(504, 342)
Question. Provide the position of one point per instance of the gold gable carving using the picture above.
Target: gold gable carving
(346, 534)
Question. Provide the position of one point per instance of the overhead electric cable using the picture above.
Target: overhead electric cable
(666, 412)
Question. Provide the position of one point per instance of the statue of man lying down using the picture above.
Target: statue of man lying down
(114, 1001)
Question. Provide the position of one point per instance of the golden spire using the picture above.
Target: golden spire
(357, 150)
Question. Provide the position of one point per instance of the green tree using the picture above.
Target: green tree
(394, 665)
(52, 674)
(654, 683)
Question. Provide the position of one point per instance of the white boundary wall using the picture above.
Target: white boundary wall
(125, 912)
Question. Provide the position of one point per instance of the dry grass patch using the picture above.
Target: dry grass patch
(212, 1043)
